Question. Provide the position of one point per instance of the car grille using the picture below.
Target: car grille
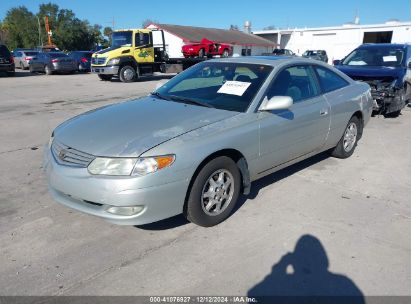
(67, 156)
(100, 60)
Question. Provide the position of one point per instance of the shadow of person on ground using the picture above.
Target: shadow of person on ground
(303, 277)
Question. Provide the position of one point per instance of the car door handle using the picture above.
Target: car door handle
(323, 112)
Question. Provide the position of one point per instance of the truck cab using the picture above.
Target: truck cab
(133, 53)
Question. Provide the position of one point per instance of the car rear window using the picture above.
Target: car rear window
(329, 81)
(4, 52)
(31, 53)
(57, 55)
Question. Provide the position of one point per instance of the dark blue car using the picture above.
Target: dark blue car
(387, 69)
(83, 60)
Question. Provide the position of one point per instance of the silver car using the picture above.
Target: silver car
(22, 58)
(52, 62)
(197, 142)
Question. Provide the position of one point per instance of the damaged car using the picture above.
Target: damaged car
(387, 69)
(198, 142)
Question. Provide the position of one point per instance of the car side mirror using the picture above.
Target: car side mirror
(336, 62)
(277, 103)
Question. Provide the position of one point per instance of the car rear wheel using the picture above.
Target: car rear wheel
(214, 192)
(48, 70)
(225, 53)
(201, 53)
(127, 73)
(346, 146)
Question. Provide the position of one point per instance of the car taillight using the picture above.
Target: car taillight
(28, 58)
(54, 60)
(84, 60)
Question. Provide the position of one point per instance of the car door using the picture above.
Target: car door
(143, 51)
(303, 128)
(34, 63)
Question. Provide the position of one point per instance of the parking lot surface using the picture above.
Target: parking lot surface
(344, 221)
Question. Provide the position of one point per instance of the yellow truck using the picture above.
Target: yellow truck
(136, 53)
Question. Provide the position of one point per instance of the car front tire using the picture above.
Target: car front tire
(348, 142)
(214, 192)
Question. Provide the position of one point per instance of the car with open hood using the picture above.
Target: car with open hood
(196, 143)
(386, 68)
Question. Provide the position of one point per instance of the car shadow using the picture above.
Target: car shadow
(256, 186)
(147, 78)
(166, 224)
(302, 276)
(18, 74)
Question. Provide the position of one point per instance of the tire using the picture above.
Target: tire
(47, 70)
(225, 54)
(127, 74)
(199, 209)
(348, 142)
(394, 114)
(79, 68)
(104, 77)
(201, 53)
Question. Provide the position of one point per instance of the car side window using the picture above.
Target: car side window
(298, 82)
(142, 39)
(329, 81)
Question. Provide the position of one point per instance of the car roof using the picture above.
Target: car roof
(267, 60)
(382, 45)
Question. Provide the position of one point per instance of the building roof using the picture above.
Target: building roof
(347, 26)
(194, 34)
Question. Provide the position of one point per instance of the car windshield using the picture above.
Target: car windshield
(391, 57)
(121, 39)
(221, 85)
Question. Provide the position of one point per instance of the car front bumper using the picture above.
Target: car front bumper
(77, 189)
(105, 70)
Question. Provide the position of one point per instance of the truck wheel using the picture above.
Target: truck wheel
(225, 53)
(127, 73)
(346, 146)
(104, 77)
(214, 192)
(201, 53)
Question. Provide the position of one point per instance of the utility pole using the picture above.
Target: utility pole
(40, 39)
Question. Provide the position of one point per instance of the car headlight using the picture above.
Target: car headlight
(113, 61)
(129, 166)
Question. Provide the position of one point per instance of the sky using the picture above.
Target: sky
(223, 13)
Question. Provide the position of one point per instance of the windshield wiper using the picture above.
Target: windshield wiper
(192, 101)
(157, 94)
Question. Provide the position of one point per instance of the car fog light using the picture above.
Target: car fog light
(131, 210)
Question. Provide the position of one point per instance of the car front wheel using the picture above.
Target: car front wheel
(346, 146)
(214, 192)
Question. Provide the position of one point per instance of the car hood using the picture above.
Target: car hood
(372, 72)
(129, 129)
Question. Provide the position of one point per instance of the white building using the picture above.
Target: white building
(244, 44)
(340, 40)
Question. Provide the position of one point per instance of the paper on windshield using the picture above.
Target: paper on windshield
(389, 58)
(237, 88)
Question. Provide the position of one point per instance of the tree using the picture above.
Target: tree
(147, 22)
(21, 27)
(107, 33)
